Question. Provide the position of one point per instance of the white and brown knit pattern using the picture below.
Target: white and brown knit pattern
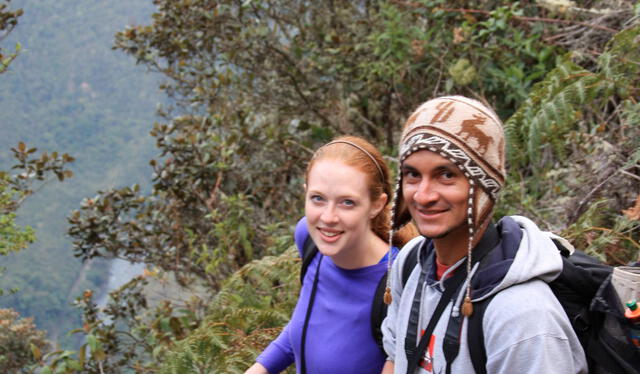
(470, 135)
(467, 133)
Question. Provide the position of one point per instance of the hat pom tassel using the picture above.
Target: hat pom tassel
(387, 296)
(467, 307)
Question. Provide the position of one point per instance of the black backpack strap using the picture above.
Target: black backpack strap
(378, 307)
(475, 336)
(305, 326)
(378, 311)
(415, 353)
(410, 263)
(309, 250)
(451, 341)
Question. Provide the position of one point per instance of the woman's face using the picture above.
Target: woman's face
(339, 209)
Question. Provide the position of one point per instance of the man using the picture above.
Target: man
(452, 154)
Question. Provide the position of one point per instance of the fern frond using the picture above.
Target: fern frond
(248, 312)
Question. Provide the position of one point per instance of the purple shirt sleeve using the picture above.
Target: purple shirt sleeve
(279, 354)
(301, 234)
(338, 338)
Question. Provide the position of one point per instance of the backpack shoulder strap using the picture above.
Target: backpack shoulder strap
(379, 308)
(475, 336)
(378, 311)
(309, 250)
(410, 263)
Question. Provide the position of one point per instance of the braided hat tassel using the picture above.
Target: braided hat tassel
(467, 307)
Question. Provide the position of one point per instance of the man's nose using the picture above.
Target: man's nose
(426, 193)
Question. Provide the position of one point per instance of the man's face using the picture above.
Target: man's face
(435, 191)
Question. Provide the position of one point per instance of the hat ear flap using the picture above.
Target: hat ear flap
(482, 210)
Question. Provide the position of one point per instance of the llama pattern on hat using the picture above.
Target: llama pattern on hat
(470, 128)
(468, 134)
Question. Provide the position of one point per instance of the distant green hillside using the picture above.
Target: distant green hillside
(69, 91)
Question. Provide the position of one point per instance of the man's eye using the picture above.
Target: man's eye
(411, 174)
(448, 174)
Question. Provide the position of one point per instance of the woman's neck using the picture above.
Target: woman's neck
(369, 251)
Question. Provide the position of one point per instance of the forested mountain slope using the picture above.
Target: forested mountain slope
(252, 87)
(256, 85)
(69, 91)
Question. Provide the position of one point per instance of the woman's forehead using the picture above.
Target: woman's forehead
(337, 175)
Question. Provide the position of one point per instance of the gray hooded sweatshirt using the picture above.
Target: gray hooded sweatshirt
(525, 328)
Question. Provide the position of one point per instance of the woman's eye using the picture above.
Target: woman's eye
(316, 198)
(349, 202)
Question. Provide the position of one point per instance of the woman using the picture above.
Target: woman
(347, 194)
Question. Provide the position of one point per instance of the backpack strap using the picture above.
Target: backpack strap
(305, 326)
(475, 337)
(410, 263)
(378, 311)
(451, 342)
(309, 250)
(414, 354)
(378, 307)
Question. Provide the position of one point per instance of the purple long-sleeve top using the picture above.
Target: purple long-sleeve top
(339, 337)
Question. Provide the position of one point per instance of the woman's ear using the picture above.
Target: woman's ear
(378, 205)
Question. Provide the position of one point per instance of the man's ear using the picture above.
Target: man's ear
(378, 205)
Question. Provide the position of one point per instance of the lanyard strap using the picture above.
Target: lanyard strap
(305, 326)
(414, 354)
(489, 241)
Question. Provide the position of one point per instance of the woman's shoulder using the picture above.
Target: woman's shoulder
(301, 234)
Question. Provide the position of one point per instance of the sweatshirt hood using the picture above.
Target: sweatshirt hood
(523, 253)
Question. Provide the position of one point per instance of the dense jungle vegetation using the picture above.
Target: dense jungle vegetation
(59, 94)
(252, 87)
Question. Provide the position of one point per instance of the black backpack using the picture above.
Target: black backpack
(378, 308)
(585, 291)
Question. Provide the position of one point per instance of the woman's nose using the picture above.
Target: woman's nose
(329, 214)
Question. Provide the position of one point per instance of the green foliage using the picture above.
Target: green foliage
(8, 21)
(14, 189)
(255, 85)
(21, 344)
(573, 142)
(199, 219)
(135, 333)
(68, 90)
(12, 237)
(594, 234)
(247, 313)
(555, 105)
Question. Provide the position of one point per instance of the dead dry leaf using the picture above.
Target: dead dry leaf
(633, 212)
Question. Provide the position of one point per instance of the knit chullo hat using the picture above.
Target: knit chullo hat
(470, 135)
